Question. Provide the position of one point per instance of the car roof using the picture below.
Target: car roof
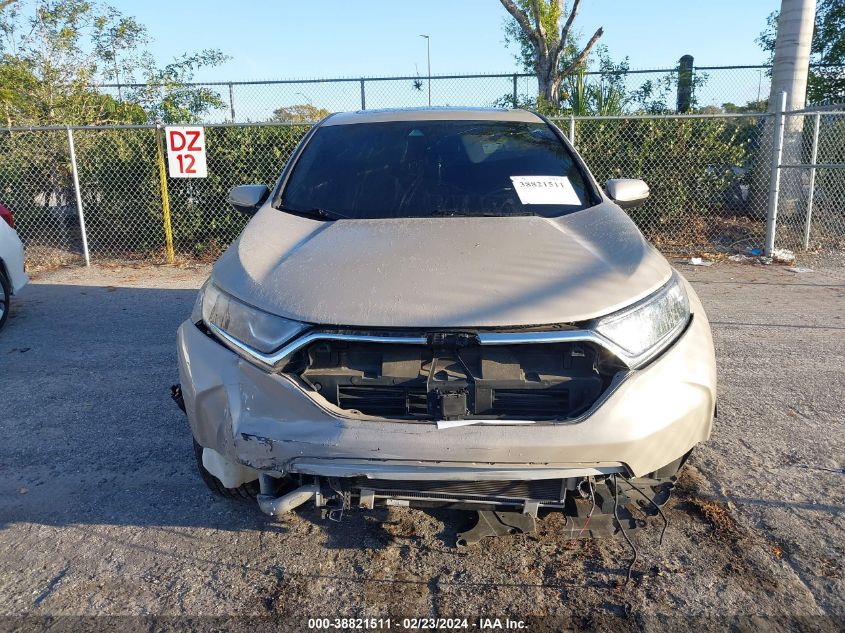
(431, 114)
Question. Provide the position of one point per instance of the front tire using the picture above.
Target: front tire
(5, 299)
(244, 492)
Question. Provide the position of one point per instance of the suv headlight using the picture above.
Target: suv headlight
(643, 329)
(246, 328)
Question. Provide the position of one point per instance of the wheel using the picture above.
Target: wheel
(245, 492)
(5, 299)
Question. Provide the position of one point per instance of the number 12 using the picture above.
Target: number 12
(189, 168)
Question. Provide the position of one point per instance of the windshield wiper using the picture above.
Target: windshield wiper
(477, 214)
(315, 214)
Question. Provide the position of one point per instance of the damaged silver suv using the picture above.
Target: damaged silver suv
(442, 307)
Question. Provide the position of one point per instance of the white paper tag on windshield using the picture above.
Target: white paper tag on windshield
(545, 190)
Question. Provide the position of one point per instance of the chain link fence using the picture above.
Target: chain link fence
(655, 89)
(121, 191)
(709, 177)
(36, 184)
(811, 196)
(700, 169)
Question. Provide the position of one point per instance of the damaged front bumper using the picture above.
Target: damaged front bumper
(255, 422)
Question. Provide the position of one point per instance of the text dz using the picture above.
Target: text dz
(186, 141)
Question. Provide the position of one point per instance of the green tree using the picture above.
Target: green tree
(55, 51)
(826, 82)
(657, 96)
(53, 55)
(167, 94)
(602, 94)
(547, 47)
(299, 113)
(46, 67)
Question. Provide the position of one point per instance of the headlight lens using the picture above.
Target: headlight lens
(254, 328)
(196, 312)
(648, 326)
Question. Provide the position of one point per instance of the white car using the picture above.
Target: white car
(442, 307)
(12, 275)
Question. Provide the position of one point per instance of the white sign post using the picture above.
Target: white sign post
(186, 152)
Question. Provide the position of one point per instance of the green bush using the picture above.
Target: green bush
(121, 189)
(203, 220)
(684, 162)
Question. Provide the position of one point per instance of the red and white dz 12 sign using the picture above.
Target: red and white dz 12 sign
(186, 152)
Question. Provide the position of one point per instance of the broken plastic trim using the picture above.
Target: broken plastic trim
(275, 360)
(591, 506)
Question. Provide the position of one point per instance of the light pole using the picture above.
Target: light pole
(428, 54)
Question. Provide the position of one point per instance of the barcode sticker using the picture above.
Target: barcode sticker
(545, 190)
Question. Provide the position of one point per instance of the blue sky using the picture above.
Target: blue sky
(334, 38)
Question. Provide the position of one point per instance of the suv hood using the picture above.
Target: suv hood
(442, 272)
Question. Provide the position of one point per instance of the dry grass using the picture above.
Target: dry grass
(715, 513)
(43, 258)
(712, 236)
(718, 516)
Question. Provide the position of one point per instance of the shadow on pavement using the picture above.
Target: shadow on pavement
(96, 438)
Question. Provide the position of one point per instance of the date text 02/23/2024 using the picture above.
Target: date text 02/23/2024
(413, 624)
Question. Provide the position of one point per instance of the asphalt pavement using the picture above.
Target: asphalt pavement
(103, 512)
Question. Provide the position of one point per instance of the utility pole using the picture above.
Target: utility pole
(685, 71)
(428, 54)
(790, 68)
(791, 63)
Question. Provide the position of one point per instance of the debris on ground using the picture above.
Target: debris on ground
(799, 269)
(698, 261)
(718, 516)
(716, 513)
(741, 258)
(783, 256)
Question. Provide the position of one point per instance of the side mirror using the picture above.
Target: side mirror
(627, 192)
(248, 198)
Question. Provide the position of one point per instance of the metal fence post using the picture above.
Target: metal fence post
(572, 129)
(814, 154)
(774, 177)
(76, 190)
(232, 101)
(515, 92)
(165, 197)
(363, 96)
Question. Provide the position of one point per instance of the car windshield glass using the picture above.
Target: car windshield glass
(403, 169)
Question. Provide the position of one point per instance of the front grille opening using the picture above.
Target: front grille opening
(444, 380)
(541, 402)
(384, 401)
